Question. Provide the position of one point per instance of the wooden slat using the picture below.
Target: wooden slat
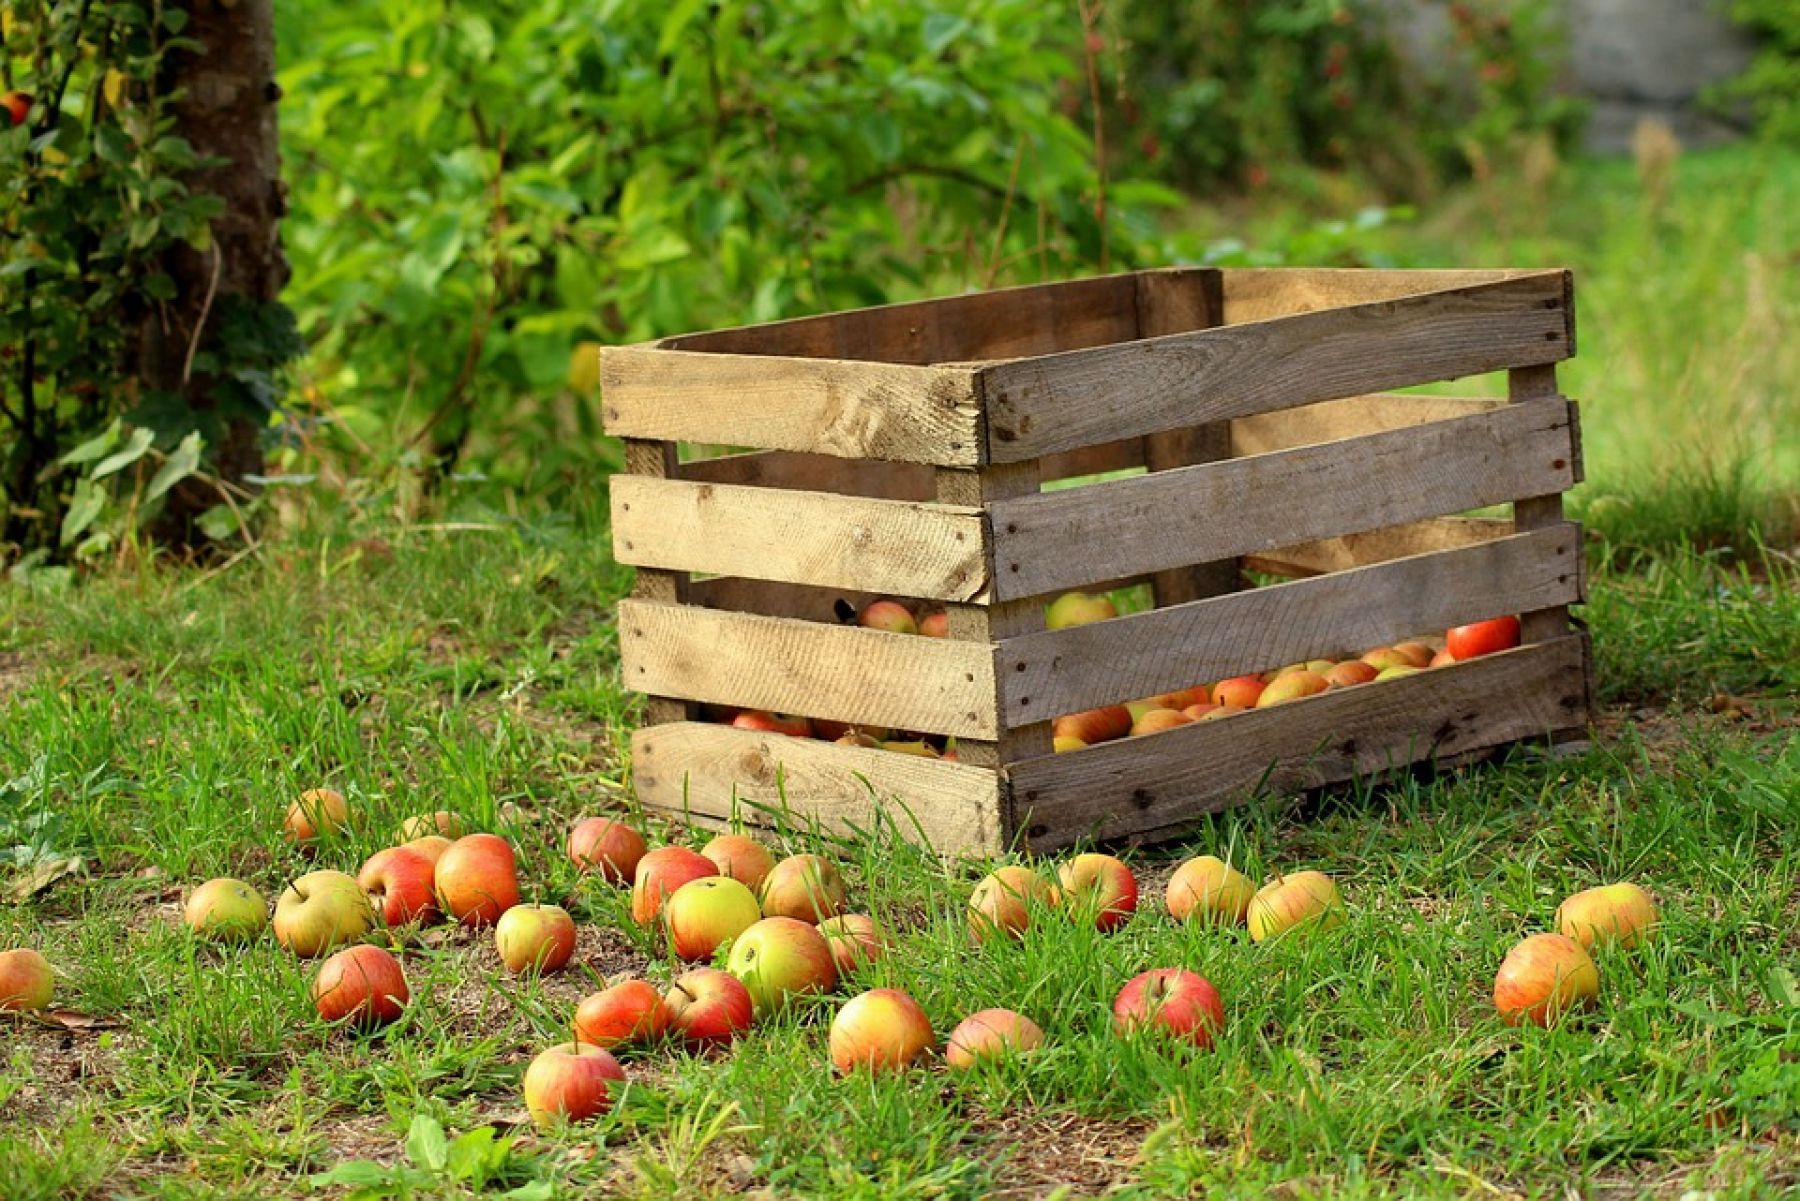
(1120, 788)
(849, 409)
(1060, 540)
(656, 460)
(1378, 546)
(1533, 511)
(846, 673)
(1057, 402)
(814, 473)
(776, 598)
(1345, 613)
(719, 772)
(904, 547)
(1351, 417)
(1092, 460)
(1260, 293)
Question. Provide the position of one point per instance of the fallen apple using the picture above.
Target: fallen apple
(226, 910)
(1542, 978)
(571, 1082)
(991, 1034)
(608, 847)
(781, 957)
(477, 879)
(805, 887)
(855, 941)
(432, 847)
(400, 886)
(1002, 903)
(659, 874)
(363, 985)
(535, 938)
(443, 822)
(1620, 914)
(319, 813)
(1172, 1000)
(1100, 888)
(882, 1030)
(320, 910)
(703, 915)
(1207, 890)
(26, 981)
(709, 1006)
(631, 1011)
(1307, 901)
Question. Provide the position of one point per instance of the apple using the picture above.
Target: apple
(1292, 687)
(889, 615)
(1219, 711)
(659, 874)
(1482, 638)
(806, 887)
(608, 847)
(1384, 657)
(400, 886)
(912, 747)
(1198, 711)
(1173, 1000)
(703, 915)
(631, 1011)
(1063, 742)
(1003, 901)
(477, 879)
(1613, 914)
(1397, 671)
(363, 984)
(318, 813)
(535, 938)
(1167, 700)
(855, 940)
(1269, 677)
(1078, 609)
(709, 1006)
(743, 859)
(1100, 885)
(226, 910)
(1442, 659)
(1156, 720)
(935, 624)
(1239, 691)
(1543, 977)
(26, 981)
(1094, 725)
(432, 846)
(858, 738)
(16, 106)
(773, 723)
(1417, 653)
(320, 910)
(781, 957)
(1207, 890)
(571, 1082)
(1349, 674)
(1303, 901)
(443, 822)
(882, 1030)
(991, 1034)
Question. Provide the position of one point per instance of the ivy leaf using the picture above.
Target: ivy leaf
(177, 467)
(426, 1145)
(84, 507)
(134, 450)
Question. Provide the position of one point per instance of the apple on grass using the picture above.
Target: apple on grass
(226, 910)
(1002, 903)
(703, 915)
(26, 981)
(1620, 914)
(659, 874)
(318, 813)
(1542, 978)
(1078, 609)
(773, 723)
(781, 957)
(1482, 638)
(1094, 725)
(805, 887)
(709, 1006)
(855, 939)
(443, 822)
(1207, 890)
(1172, 1000)
(477, 879)
(882, 1030)
(320, 910)
(889, 615)
(631, 1011)
(606, 847)
(432, 846)
(1098, 886)
(1306, 901)
(991, 1034)
(363, 985)
(571, 1082)
(535, 938)
(400, 885)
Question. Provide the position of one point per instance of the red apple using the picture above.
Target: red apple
(773, 723)
(1078, 609)
(882, 1030)
(703, 915)
(26, 981)
(572, 1082)
(779, 958)
(535, 938)
(1209, 891)
(320, 910)
(805, 887)
(1100, 886)
(1155, 721)
(709, 1006)
(477, 879)
(226, 910)
(991, 1034)
(443, 822)
(1291, 686)
(363, 984)
(935, 624)
(1305, 900)
(659, 874)
(320, 812)
(743, 859)
(1613, 913)
(631, 1011)
(854, 939)
(1093, 725)
(17, 107)
(432, 846)
(1349, 674)
(888, 615)
(400, 886)
(1173, 1000)
(610, 848)
(1543, 978)
(1417, 653)
(1002, 903)
(1240, 691)
(1482, 638)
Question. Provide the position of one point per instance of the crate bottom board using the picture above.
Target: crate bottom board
(1136, 788)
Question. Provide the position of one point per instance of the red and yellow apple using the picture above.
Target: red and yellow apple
(535, 938)
(855, 939)
(1418, 654)
(1207, 890)
(1306, 900)
(805, 887)
(432, 846)
(477, 879)
(882, 1030)
(1398, 671)
(226, 910)
(363, 985)
(1172, 1000)
(1240, 692)
(888, 615)
(26, 981)
(781, 957)
(319, 813)
(991, 1034)
(773, 723)
(400, 884)
(443, 822)
(572, 1082)
(320, 910)
(1620, 914)
(608, 847)
(709, 1006)
(631, 1011)
(935, 624)
(1542, 978)
(1002, 903)
(1384, 657)
(1100, 887)
(1094, 725)
(1349, 674)
(1292, 686)
(1156, 720)
(703, 915)
(659, 874)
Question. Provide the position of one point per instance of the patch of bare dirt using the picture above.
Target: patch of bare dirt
(1040, 1152)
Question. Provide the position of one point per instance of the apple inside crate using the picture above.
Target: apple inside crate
(1189, 432)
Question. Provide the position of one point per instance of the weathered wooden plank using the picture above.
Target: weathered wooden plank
(866, 677)
(777, 598)
(1116, 789)
(1064, 671)
(1332, 420)
(720, 772)
(1260, 293)
(1378, 546)
(656, 460)
(825, 406)
(814, 473)
(1057, 402)
(1060, 540)
(904, 547)
(1534, 511)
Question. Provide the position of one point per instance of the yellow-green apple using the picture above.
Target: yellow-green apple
(742, 858)
(1166, 700)
(806, 887)
(1273, 674)
(1173, 1000)
(889, 615)
(1482, 638)
(935, 624)
(659, 874)
(26, 981)
(1239, 691)
(1003, 902)
(477, 879)
(432, 846)
(780, 957)
(1306, 900)
(991, 1034)
(571, 1082)
(400, 886)
(535, 938)
(1094, 725)
(1063, 742)
(1442, 659)
(1397, 671)
(1542, 978)
(709, 1006)
(226, 910)
(363, 985)
(609, 848)
(319, 911)
(1207, 890)
(1098, 886)
(703, 915)
(1613, 913)
(882, 1030)
(631, 1011)
(1078, 609)
(1417, 653)
(912, 747)
(443, 822)
(320, 812)
(855, 939)
(1291, 687)
(1384, 657)
(1349, 674)
(1157, 720)
(773, 723)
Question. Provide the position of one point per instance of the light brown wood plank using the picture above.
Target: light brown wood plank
(776, 598)
(1057, 402)
(719, 772)
(1535, 511)
(1378, 546)
(1116, 789)
(1260, 293)
(1351, 417)
(657, 460)
(1060, 540)
(814, 473)
(866, 677)
(1065, 671)
(903, 547)
(823, 406)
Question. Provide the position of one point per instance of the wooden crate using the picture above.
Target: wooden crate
(904, 450)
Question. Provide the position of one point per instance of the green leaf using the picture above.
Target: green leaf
(355, 1173)
(537, 1190)
(218, 523)
(84, 507)
(134, 450)
(472, 1158)
(426, 1145)
(94, 447)
(176, 467)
